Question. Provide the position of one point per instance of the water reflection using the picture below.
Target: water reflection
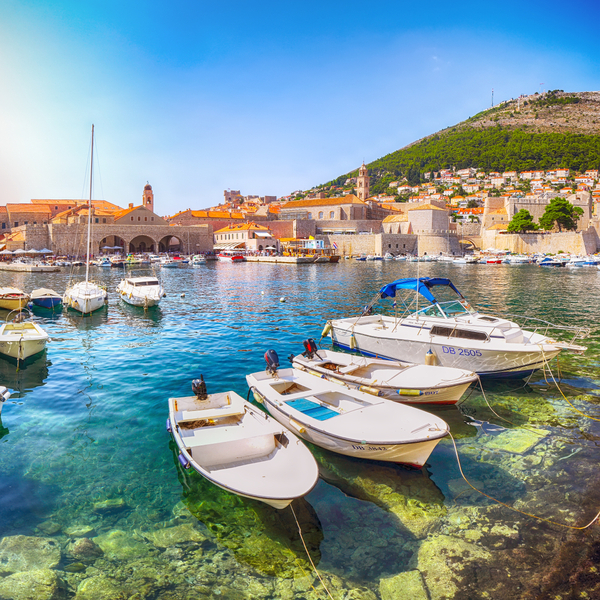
(25, 376)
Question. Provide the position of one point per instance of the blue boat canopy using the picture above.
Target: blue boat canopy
(422, 285)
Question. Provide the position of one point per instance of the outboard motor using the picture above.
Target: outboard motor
(272, 361)
(199, 388)
(310, 347)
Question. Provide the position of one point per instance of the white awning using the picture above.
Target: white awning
(262, 234)
(228, 245)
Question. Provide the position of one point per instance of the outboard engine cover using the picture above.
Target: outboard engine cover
(272, 361)
(311, 347)
(199, 388)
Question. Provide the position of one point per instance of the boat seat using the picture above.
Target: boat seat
(312, 409)
(230, 410)
(348, 369)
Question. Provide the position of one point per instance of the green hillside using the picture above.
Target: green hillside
(538, 132)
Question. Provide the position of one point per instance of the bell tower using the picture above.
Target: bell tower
(148, 197)
(362, 183)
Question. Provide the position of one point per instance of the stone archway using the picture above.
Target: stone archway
(142, 243)
(110, 244)
(171, 243)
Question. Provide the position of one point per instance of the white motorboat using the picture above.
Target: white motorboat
(21, 338)
(241, 449)
(346, 421)
(166, 262)
(231, 256)
(86, 296)
(198, 259)
(399, 381)
(12, 298)
(141, 291)
(455, 333)
(4, 396)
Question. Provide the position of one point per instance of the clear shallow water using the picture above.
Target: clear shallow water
(85, 425)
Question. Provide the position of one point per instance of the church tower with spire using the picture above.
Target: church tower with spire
(148, 197)
(362, 183)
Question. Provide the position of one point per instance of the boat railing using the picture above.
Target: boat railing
(546, 328)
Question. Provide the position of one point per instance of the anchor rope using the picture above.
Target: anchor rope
(579, 528)
(308, 554)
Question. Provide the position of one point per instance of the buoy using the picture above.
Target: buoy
(430, 358)
(183, 295)
(263, 292)
(282, 299)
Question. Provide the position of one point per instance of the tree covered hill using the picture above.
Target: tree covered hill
(546, 131)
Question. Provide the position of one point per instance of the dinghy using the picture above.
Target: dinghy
(13, 298)
(346, 421)
(21, 338)
(46, 298)
(239, 448)
(394, 380)
(4, 396)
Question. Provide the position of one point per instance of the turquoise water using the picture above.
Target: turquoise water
(84, 452)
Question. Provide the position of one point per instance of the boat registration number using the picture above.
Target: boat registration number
(460, 351)
(372, 448)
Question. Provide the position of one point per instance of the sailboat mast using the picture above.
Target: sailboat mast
(87, 262)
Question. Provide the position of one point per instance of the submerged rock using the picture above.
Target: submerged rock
(99, 588)
(79, 531)
(405, 586)
(36, 584)
(108, 506)
(84, 549)
(169, 536)
(442, 561)
(121, 545)
(517, 441)
(24, 553)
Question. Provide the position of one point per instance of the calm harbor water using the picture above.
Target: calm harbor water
(87, 468)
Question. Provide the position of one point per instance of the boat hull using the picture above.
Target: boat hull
(141, 302)
(47, 302)
(85, 298)
(520, 360)
(22, 340)
(14, 303)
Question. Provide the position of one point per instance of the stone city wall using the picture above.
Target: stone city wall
(370, 243)
(569, 242)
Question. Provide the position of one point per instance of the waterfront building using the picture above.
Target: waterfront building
(249, 236)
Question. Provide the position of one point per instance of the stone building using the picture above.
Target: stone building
(345, 208)
(249, 236)
(362, 183)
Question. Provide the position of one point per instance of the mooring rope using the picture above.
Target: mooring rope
(308, 554)
(512, 507)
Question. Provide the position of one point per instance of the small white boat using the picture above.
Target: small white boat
(141, 291)
(46, 298)
(21, 338)
(4, 396)
(166, 262)
(13, 298)
(231, 256)
(85, 297)
(103, 261)
(346, 421)
(198, 259)
(399, 381)
(457, 334)
(239, 448)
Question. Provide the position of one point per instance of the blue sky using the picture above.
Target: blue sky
(264, 97)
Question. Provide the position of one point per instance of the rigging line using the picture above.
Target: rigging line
(308, 554)
(565, 398)
(515, 424)
(512, 507)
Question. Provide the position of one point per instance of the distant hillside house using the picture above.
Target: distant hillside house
(248, 236)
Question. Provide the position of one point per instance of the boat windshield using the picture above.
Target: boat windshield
(450, 309)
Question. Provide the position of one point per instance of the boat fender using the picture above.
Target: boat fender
(299, 428)
(431, 358)
(326, 329)
(367, 310)
(168, 426)
(370, 390)
(185, 463)
(199, 388)
(258, 397)
(315, 373)
(402, 392)
(352, 342)
(310, 348)
(272, 361)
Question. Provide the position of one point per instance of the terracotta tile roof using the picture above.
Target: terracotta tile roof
(403, 218)
(348, 199)
(27, 208)
(243, 227)
(2, 209)
(426, 207)
(499, 226)
(121, 213)
(499, 211)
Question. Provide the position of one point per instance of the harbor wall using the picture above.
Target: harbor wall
(569, 242)
(370, 243)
